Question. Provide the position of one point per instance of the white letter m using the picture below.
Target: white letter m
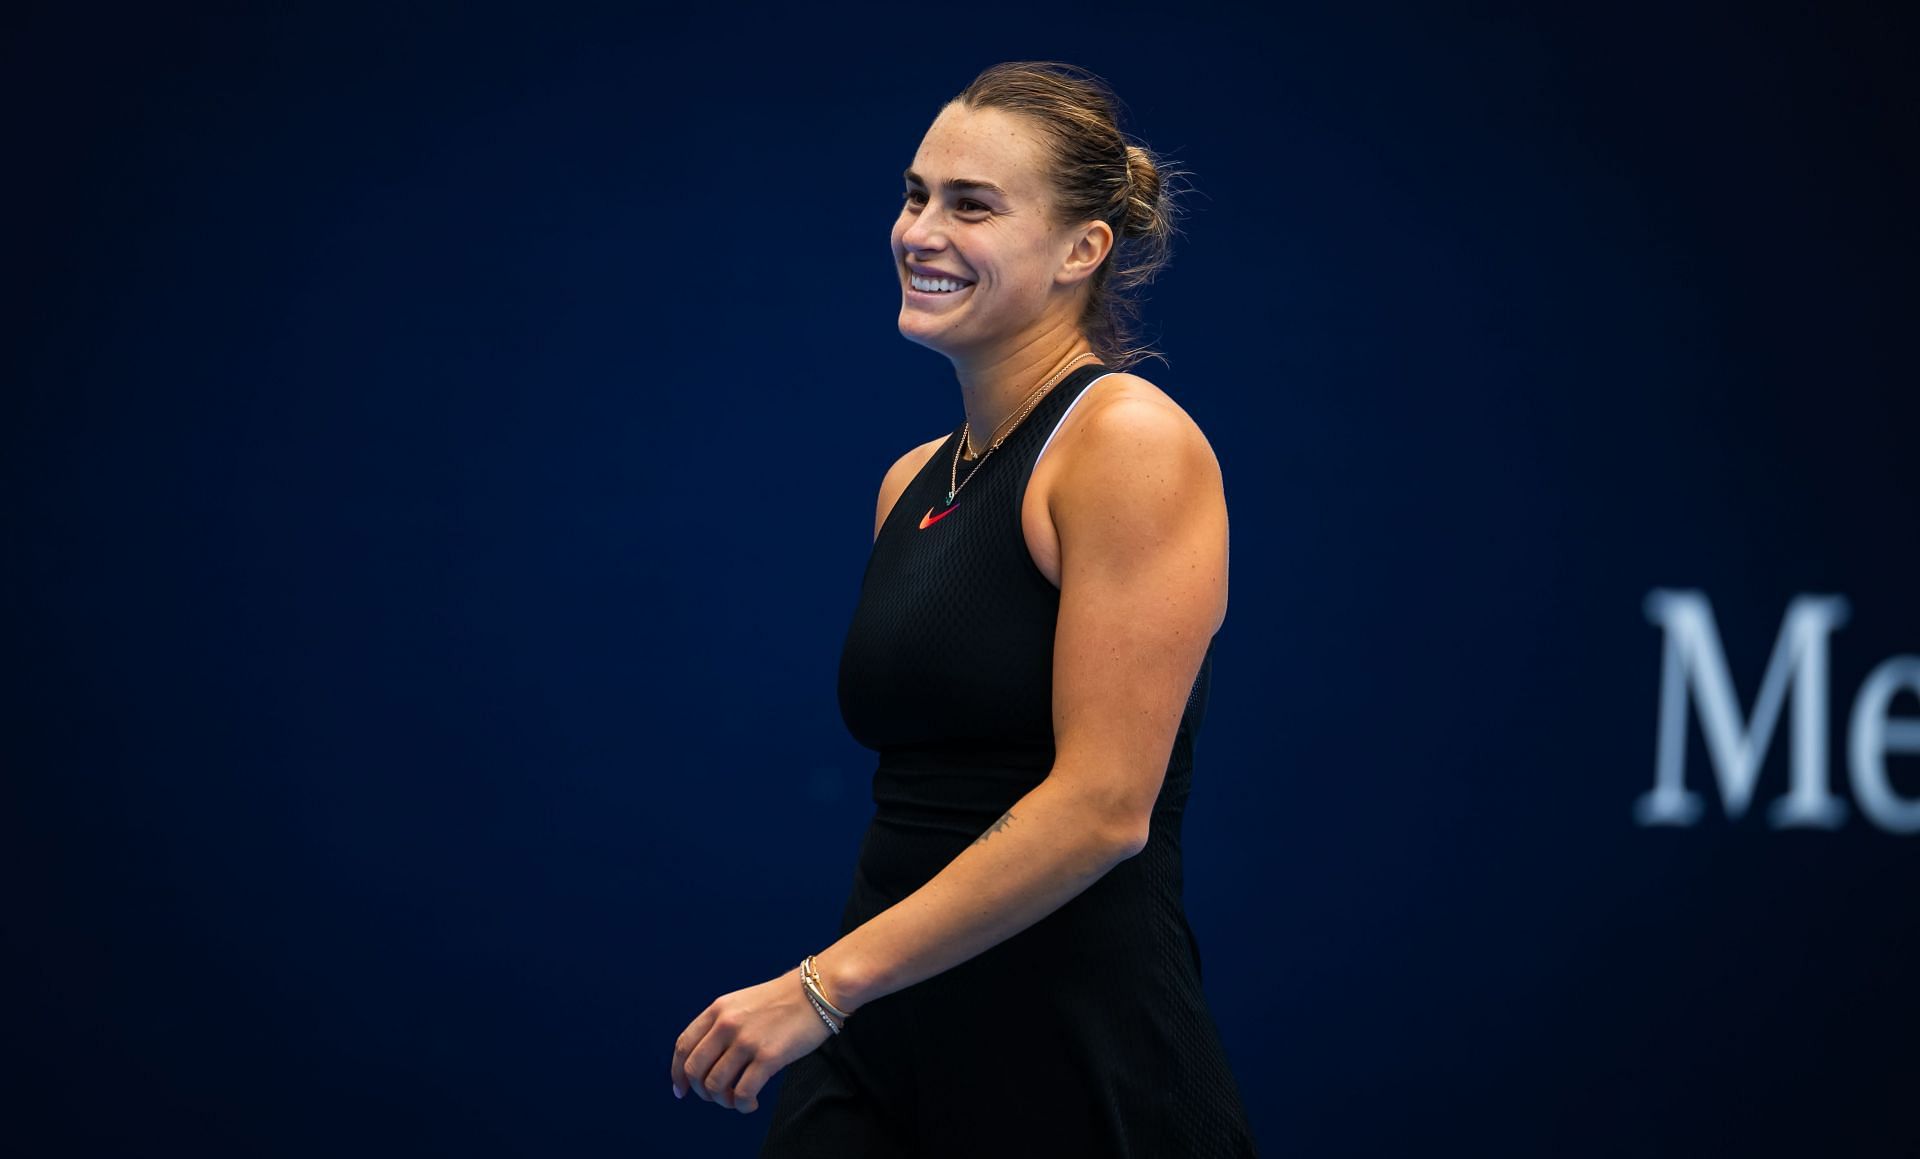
(1692, 659)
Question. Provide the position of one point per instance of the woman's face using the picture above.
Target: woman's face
(978, 256)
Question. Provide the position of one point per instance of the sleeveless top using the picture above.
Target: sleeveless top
(1085, 1034)
(947, 667)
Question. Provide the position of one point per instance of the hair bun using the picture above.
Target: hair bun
(1147, 223)
(1144, 195)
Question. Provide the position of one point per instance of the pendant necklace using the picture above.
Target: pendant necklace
(954, 482)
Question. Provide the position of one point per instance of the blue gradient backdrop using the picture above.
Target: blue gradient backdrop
(439, 446)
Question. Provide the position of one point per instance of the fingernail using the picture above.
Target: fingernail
(677, 1092)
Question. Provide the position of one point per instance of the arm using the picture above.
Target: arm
(1141, 516)
(1142, 524)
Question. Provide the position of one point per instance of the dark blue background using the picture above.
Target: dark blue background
(439, 448)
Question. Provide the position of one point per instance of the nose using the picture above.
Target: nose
(924, 231)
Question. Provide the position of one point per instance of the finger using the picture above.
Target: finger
(683, 1048)
(725, 1074)
(708, 1052)
(746, 1092)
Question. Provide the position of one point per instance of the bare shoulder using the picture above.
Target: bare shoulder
(899, 475)
(1131, 430)
(1139, 504)
(1126, 470)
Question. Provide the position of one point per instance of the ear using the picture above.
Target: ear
(1090, 247)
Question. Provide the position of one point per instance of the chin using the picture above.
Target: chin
(914, 329)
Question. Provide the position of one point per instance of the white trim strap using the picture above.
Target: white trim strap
(1064, 414)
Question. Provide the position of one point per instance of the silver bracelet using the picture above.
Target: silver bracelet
(810, 978)
(814, 1000)
(824, 1017)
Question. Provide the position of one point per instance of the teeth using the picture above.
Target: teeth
(936, 285)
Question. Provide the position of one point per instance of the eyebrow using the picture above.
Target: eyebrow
(960, 184)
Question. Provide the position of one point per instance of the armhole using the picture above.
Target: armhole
(912, 479)
(1026, 477)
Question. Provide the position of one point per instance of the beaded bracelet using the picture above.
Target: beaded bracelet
(824, 1016)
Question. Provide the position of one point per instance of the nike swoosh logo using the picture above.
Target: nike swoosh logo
(929, 519)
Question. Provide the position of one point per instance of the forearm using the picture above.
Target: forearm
(1047, 849)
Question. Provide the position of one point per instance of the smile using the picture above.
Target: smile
(936, 285)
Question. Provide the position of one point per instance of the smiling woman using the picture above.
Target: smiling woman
(1030, 657)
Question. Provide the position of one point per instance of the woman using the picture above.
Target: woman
(1029, 657)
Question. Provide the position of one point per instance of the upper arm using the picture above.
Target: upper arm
(898, 476)
(1142, 521)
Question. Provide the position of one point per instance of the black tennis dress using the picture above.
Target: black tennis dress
(1087, 1033)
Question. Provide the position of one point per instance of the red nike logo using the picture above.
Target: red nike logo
(929, 519)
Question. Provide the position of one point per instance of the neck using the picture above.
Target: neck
(994, 385)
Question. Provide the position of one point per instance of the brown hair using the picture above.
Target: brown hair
(1098, 174)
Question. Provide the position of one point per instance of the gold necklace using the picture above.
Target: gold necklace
(954, 482)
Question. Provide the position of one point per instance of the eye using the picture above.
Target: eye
(969, 205)
(915, 197)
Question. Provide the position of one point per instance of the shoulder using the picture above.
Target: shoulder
(899, 475)
(1139, 511)
(1130, 438)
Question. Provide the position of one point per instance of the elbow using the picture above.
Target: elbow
(1111, 825)
(1130, 837)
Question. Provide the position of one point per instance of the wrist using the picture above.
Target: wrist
(842, 981)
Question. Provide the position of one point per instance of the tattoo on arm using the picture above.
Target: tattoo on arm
(995, 827)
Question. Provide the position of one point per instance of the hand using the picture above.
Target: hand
(742, 1040)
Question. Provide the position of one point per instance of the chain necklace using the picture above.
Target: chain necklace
(954, 482)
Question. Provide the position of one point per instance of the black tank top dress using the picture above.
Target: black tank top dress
(1085, 1034)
